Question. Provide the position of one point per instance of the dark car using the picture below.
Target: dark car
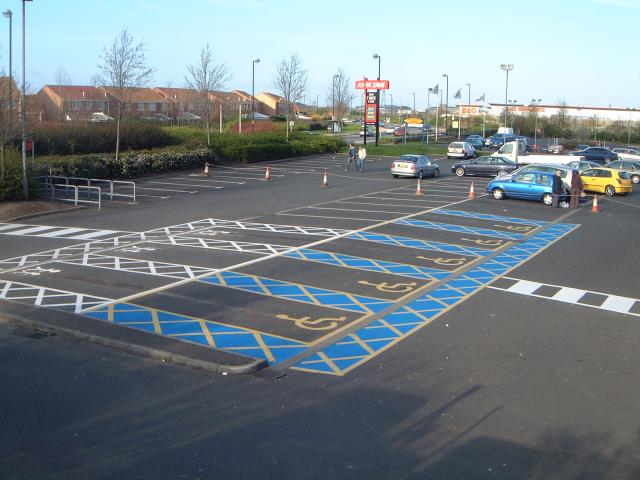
(488, 166)
(476, 141)
(580, 147)
(596, 154)
(499, 139)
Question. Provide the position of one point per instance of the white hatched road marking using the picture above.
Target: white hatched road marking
(51, 231)
(48, 297)
(611, 303)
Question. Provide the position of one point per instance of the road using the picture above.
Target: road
(406, 336)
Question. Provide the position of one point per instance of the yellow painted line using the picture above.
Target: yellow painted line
(207, 333)
(362, 344)
(260, 284)
(264, 347)
(329, 362)
(306, 292)
(110, 312)
(390, 327)
(156, 323)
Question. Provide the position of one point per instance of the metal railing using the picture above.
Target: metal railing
(51, 188)
(51, 182)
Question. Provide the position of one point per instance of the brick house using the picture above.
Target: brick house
(65, 102)
(140, 102)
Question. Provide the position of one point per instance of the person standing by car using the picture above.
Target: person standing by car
(557, 188)
(352, 156)
(362, 155)
(576, 189)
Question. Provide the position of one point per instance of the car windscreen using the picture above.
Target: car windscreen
(408, 158)
(455, 145)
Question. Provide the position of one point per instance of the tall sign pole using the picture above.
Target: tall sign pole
(371, 102)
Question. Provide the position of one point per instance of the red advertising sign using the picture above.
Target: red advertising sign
(371, 107)
(372, 84)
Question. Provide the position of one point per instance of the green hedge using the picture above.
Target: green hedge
(57, 139)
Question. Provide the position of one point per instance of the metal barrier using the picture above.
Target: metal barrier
(49, 182)
(76, 198)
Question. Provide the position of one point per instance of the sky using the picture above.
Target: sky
(583, 52)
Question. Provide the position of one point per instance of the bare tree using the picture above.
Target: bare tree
(206, 77)
(340, 93)
(291, 82)
(124, 68)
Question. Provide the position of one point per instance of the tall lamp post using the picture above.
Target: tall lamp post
(446, 107)
(468, 106)
(377, 57)
(25, 183)
(253, 94)
(507, 67)
(535, 103)
(414, 102)
(429, 92)
(333, 103)
(9, 14)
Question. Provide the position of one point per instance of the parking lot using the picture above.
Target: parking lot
(313, 277)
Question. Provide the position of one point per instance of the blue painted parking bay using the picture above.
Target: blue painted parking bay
(359, 347)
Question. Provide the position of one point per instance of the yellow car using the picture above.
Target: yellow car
(606, 180)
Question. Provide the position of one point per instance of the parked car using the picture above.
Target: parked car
(565, 172)
(596, 154)
(476, 141)
(371, 132)
(460, 149)
(419, 166)
(529, 185)
(606, 180)
(499, 139)
(489, 165)
(581, 147)
(581, 165)
(632, 168)
(627, 153)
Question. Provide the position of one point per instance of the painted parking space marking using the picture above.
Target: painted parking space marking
(493, 218)
(49, 231)
(448, 227)
(244, 341)
(350, 351)
(585, 298)
(415, 243)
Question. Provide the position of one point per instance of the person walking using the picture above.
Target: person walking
(557, 188)
(362, 155)
(351, 156)
(576, 189)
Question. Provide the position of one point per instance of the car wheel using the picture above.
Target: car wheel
(436, 173)
(395, 176)
(420, 175)
(460, 172)
(610, 190)
(497, 193)
(501, 173)
(635, 178)
(547, 198)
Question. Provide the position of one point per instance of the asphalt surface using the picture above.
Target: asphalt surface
(402, 336)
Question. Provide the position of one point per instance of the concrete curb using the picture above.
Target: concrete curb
(128, 340)
(46, 212)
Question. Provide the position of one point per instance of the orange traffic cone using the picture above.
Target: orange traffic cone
(472, 193)
(267, 175)
(418, 189)
(325, 182)
(206, 169)
(595, 208)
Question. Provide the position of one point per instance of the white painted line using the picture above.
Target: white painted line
(151, 196)
(9, 226)
(358, 210)
(524, 287)
(98, 233)
(166, 190)
(327, 216)
(26, 231)
(66, 231)
(618, 304)
(569, 295)
(191, 185)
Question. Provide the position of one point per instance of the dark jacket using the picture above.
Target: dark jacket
(558, 185)
(576, 181)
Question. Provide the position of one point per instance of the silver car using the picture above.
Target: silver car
(418, 166)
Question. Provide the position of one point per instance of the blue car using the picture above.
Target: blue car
(529, 185)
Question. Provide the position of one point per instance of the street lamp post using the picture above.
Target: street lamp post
(446, 107)
(535, 128)
(253, 93)
(9, 14)
(468, 106)
(377, 57)
(414, 102)
(429, 92)
(507, 67)
(25, 183)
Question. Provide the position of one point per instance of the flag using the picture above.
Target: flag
(480, 99)
(458, 94)
(435, 90)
